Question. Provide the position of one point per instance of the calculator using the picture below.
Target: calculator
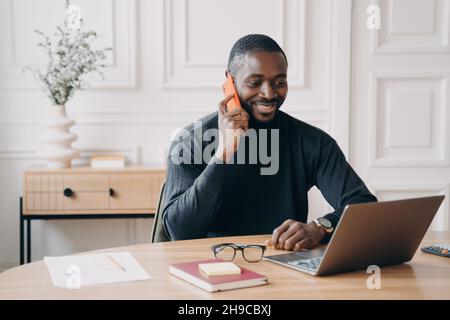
(440, 249)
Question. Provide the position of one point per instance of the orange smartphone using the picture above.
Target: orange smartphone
(229, 88)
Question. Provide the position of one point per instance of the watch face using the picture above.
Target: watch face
(325, 223)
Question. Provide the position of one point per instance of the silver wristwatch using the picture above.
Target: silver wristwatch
(325, 224)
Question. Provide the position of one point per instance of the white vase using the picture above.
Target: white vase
(56, 139)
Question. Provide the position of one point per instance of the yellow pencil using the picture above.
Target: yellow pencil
(116, 263)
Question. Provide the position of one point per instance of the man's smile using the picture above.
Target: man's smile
(266, 109)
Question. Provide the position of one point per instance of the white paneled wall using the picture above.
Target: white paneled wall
(400, 113)
(166, 70)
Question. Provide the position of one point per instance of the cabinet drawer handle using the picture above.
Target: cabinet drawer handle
(68, 192)
(111, 192)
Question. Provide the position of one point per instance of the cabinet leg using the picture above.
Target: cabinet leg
(28, 240)
(21, 235)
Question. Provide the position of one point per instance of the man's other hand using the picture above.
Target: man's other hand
(296, 236)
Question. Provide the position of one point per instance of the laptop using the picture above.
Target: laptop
(375, 233)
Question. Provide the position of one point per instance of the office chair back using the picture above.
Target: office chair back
(159, 232)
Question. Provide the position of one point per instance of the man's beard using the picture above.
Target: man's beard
(249, 106)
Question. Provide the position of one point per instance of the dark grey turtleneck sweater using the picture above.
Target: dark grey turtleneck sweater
(210, 199)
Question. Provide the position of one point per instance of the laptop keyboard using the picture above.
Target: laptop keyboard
(311, 264)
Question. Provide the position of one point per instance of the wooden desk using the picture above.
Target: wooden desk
(425, 277)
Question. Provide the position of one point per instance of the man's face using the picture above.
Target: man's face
(261, 83)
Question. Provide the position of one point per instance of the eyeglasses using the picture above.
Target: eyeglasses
(227, 251)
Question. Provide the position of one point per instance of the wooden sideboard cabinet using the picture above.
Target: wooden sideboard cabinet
(87, 193)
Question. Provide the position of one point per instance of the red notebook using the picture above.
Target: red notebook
(190, 272)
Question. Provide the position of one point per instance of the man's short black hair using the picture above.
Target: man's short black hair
(248, 44)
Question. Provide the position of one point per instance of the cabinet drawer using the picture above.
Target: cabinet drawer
(87, 201)
(131, 191)
(86, 182)
(44, 201)
(44, 182)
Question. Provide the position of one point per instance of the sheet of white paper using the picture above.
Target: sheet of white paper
(74, 272)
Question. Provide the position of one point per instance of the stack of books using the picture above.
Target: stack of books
(194, 273)
(108, 161)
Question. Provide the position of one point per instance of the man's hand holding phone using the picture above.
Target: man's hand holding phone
(232, 125)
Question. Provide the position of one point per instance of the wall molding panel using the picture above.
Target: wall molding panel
(397, 142)
(119, 33)
(412, 27)
(183, 71)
